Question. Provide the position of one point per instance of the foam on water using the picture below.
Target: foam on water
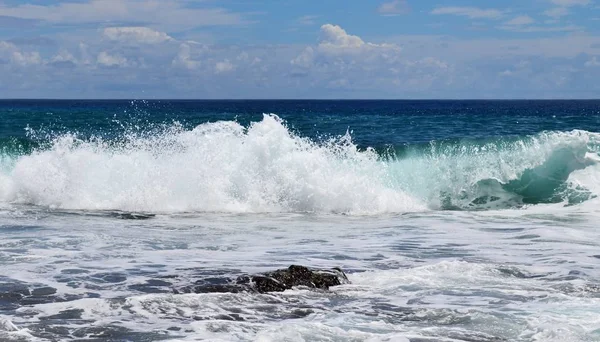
(220, 167)
(225, 167)
(445, 301)
(445, 276)
(488, 240)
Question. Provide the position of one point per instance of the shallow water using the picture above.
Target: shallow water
(421, 277)
(96, 233)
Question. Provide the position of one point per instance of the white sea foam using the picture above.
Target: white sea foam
(225, 167)
(446, 276)
(220, 167)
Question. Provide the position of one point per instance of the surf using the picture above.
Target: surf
(265, 166)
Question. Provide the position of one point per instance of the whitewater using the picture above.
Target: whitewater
(491, 238)
(225, 167)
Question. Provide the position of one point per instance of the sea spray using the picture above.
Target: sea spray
(265, 167)
(217, 167)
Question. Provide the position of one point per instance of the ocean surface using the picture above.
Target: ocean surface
(469, 221)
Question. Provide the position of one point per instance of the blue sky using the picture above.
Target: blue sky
(299, 49)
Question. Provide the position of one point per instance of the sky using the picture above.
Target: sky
(332, 49)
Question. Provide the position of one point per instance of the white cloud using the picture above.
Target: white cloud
(106, 59)
(520, 21)
(19, 57)
(140, 34)
(470, 12)
(343, 61)
(26, 58)
(393, 8)
(224, 66)
(340, 64)
(594, 62)
(184, 58)
(171, 14)
(64, 56)
(305, 59)
(335, 44)
(336, 37)
(85, 57)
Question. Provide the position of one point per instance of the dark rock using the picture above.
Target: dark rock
(132, 216)
(294, 275)
(43, 291)
(276, 281)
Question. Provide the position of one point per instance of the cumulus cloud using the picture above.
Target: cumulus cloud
(108, 60)
(121, 61)
(26, 58)
(138, 34)
(345, 62)
(305, 59)
(339, 47)
(17, 56)
(335, 39)
(333, 36)
(64, 56)
(63, 59)
(224, 66)
(184, 58)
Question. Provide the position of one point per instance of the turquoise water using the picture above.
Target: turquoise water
(455, 220)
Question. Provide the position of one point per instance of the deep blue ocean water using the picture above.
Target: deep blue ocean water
(375, 122)
(455, 220)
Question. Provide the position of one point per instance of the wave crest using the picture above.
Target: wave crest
(225, 167)
(219, 166)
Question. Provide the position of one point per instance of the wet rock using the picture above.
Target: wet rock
(132, 216)
(43, 291)
(293, 276)
(276, 281)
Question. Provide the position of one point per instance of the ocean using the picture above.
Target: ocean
(453, 220)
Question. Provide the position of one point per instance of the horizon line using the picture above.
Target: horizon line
(292, 99)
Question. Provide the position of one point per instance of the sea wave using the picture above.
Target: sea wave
(265, 167)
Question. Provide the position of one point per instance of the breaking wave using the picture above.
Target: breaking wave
(265, 167)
